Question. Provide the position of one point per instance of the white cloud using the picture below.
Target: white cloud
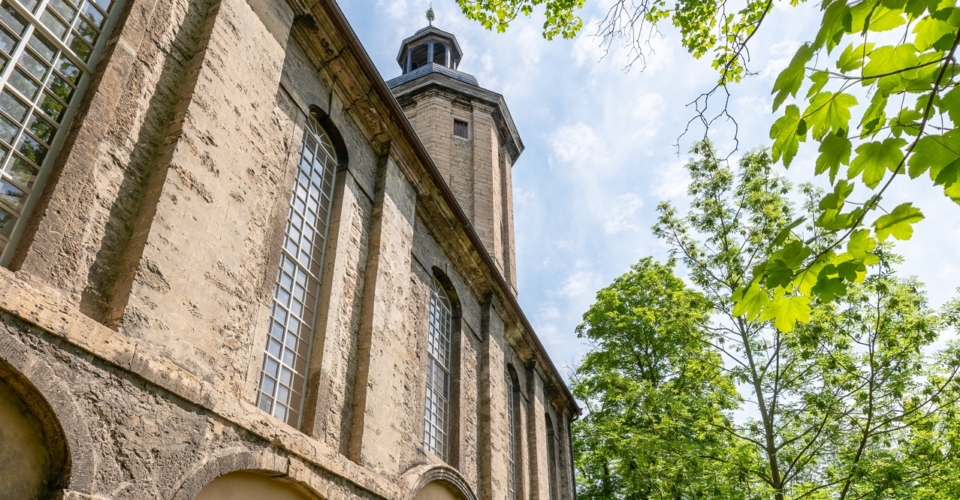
(659, 52)
(580, 285)
(396, 9)
(646, 112)
(622, 215)
(577, 144)
(780, 56)
(529, 44)
(545, 322)
(672, 181)
(587, 49)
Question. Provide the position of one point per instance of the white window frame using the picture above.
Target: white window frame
(35, 17)
(286, 357)
(437, 418)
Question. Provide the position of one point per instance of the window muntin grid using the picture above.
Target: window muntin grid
(292, 321)
(512, 435)
(48, 49)
(437, 413)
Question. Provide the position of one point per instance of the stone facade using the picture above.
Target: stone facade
(136, 304)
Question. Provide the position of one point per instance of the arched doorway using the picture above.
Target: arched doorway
(33, 452)
(251, 486)
(436, 491)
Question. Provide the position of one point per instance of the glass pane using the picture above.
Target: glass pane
(10, 195)
(13, 106)
(87, 32)
(29, 4)
(61, 88)
(80, 47)
(94, 15)
(52, 107)
(104, 4)
(31, 149)
(20, 81)
(22, 171)
(42, 46)
(34, 66)
(12, 19)
(41, 128)
(54, 24)
(7, 221)
(65, 10)
(69, 70)
(8, 130)
(7, 41)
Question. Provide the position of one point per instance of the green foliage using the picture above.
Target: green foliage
(655, 394)
(840, 402)
(908, 127)
(498, 14)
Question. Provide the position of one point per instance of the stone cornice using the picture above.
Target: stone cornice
(331, 45)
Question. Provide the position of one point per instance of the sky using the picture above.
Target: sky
(604, 148)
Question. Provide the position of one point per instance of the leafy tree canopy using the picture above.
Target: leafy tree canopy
(851, 403)
(900, 56)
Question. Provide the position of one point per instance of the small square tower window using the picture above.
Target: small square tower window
(460, 129)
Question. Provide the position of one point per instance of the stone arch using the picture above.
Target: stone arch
(265, 465)
(416, 479)
(67, 439)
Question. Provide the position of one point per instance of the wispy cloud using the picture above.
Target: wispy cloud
(622, 215)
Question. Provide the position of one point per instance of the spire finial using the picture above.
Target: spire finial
(431, 15)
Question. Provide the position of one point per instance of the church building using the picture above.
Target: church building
(237, 264)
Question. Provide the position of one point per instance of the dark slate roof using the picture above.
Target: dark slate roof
(432, 68)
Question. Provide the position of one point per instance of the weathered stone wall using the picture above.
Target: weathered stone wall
(147, 442)
(145, 282)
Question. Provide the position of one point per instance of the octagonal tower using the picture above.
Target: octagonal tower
(469, 133)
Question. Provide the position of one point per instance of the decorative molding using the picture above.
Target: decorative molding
(412, 481)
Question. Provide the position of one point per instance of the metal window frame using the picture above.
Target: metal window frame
(321, 137)
(440, 335)
(34, 25)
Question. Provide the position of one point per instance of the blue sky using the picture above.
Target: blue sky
(600, 148)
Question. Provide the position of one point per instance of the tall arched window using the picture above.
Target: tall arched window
(436, 431)
(48, 50)
(551, 459)
(513, 420)
(287, 352)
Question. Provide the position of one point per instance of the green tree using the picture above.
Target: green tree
(846, 405)
(655, 393)
(898, 55)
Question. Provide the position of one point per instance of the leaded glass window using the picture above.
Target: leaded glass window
(293, 314)
(437, 414)
(48, 50)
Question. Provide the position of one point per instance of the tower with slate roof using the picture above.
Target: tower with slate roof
(469, 133)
